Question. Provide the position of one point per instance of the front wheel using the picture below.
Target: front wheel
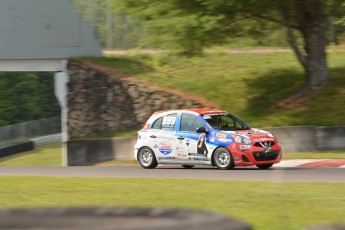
(264, 166)
(187, 166)
(222, 158)
(147, 158)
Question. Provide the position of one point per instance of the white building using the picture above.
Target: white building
(41, 35)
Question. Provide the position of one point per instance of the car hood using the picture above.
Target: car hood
(252, 133)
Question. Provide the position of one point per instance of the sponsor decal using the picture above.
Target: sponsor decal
(187, 142)
(165, 147)
(165, 137)
(237, 158)
(201, 159)
(181, 154)
(212, 139)
(192, 154)
(221, 135)
(245, 147)
(142, 137)
(166, 158)
(224, 140)
(214, 114)
(155, 146)
(262, 139)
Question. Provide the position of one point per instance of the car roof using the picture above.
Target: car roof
(197, 110)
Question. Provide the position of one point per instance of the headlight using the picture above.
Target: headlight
(242, 139)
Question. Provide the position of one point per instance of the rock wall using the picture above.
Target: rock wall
(102, 100)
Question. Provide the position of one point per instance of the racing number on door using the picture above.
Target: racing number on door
(168, 121)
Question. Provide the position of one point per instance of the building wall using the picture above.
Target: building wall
(44, 29)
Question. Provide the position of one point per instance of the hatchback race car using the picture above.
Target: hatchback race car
(204, 137)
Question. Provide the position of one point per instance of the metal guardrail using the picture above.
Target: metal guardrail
(47, 139)
(30, 130)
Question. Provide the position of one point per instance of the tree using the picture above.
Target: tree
(195, 24)
(26, 96)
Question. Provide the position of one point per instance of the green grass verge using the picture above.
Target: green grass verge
(130, 133)
(249, 85)
(45, 155)
(262, 204)
(331, 154)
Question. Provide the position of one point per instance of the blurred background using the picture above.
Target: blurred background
(276, 65)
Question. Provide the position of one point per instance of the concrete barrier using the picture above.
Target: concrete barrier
(14, 148)
(116, 218)
(330, 137)
(89, 151)
(296, 139)
(310, 138)
(85, 152)
(292, 139)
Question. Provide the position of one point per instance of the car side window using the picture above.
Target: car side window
(157, 124)
(189, 123)
(166, 122)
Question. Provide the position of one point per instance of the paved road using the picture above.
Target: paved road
(246, 174)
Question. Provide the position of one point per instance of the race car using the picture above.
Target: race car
(204, 136)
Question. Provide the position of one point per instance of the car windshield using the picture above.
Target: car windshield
(225, 122)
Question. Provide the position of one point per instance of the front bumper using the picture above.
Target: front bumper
(247, 155)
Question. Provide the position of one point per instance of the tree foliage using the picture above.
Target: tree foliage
(129, 24)
(26, 96)
(195, 24)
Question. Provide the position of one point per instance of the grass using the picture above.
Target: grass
(45, 155)
(249, 85)
(331, 154)
(130, 133)
(262, 204)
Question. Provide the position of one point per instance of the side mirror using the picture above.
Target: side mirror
(201, 130)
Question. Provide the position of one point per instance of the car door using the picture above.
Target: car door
(190, 145)
(162, 139)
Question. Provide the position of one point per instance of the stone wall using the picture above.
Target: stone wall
(102, 100)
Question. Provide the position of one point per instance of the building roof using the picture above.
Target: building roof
(44, 29)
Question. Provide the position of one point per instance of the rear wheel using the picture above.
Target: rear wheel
(187, 166)
(147, 158)
(222, 158)
(264, 166)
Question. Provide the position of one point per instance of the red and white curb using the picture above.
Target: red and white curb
(309, 163)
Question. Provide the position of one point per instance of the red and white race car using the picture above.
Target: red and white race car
(204, 137)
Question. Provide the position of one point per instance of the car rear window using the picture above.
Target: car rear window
(166, 122)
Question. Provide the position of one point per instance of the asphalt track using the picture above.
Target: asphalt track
(275, 174)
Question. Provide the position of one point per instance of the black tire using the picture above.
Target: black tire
(222, 158)
(264, 166)
(187, 166)
(147, 158)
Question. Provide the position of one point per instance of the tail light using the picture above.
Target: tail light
(136, 137)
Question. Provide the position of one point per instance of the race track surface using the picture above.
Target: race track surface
(275, 174)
